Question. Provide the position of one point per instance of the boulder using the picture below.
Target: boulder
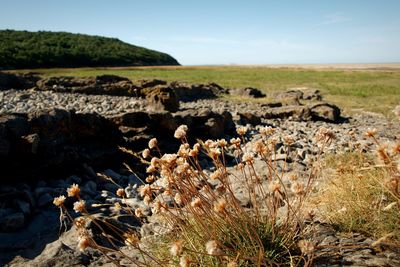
(325, 112)
(194, 92)
(162, 98)
(204, 123)
(296, 112)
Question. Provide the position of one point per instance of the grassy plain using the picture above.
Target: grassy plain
(375, 89)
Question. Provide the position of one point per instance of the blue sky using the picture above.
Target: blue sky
(228, 32)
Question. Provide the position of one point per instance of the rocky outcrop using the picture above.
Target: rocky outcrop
(17, 81)
(54, 142)
(99, 85)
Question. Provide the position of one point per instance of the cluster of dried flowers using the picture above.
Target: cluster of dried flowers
(203, 210)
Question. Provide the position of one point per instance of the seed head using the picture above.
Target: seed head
(79, 206)
(212, 247)
(156, 207)
(180, 132)
(176, 248)
(153, 143)
(222, 143)
(84, 242)
(371, 132)
(241, 130)
(220, 206)
(214, 153)
(147, 200)
(144, 190)
(196, 203)
(131, 239)
(80, 222)
(178, 198)
(146, 153)
(306, 247)
(267, 131)
(59, 201)
(248, 158)
(121, 192)
(139, 213)
(298, 188)
(274, 187)
(184, 261)
(73, 190)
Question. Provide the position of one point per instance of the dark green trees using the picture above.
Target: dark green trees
(23, 49)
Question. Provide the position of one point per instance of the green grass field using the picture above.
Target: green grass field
(370, 90)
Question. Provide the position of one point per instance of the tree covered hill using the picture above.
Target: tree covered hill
(26, 50)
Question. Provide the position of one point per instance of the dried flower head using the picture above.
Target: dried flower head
(222, 142)
(139, 213)
(180, 132)
(80, 222)
(131, 239)
(371, 132)
(59, 201)
(147, 200)
(274, 187)
(267, 131)
(184, 261)
(214, 153)
(146, 153)
(150, 178)
(306, 247)
(212, 247)
(121, 192)
(157, 206)
(247, 158)
(73, 190)
(288, 139)
(79, 206)
(297, 188)
(220, 205)
(178, 198)
(176, 248)
(153, 143)
(84, 242)
(144, 190)
(196, 203)
(241, 130)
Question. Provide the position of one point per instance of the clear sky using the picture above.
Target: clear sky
(201, 32)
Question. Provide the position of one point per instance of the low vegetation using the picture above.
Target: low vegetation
(23, 49)
(363, 194)
(352, 90)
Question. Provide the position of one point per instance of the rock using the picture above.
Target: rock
(162, 98)
(325, 112)
(149, 83)
(249, 118)
(17, 81)
(294, 112)
(195, 92)
(247, 92)
(23, 206)
(99, 85)
(45, 200)
(311, 94)
(12, 222)
(55, 142)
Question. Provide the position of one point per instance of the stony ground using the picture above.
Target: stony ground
(28, 248)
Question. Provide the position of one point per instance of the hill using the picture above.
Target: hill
(23, 50)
